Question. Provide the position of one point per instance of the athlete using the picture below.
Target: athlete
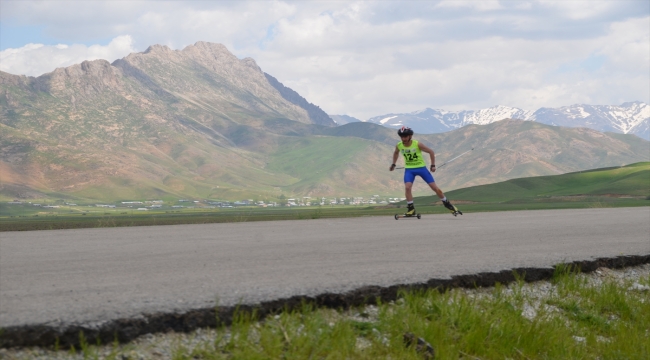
(414, 165)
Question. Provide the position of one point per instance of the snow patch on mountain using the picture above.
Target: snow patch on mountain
(490, 115)
(627, 118)
(384, 120)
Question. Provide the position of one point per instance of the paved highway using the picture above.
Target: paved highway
(91, 275)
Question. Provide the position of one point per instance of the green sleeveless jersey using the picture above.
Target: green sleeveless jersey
(412, 155)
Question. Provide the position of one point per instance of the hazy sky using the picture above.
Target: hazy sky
(367, 58)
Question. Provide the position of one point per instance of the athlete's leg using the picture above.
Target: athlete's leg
(437, 190)
(426, 175)
(442, 197)
(409, 191)
(432, 184)
(409, 178)
(410, 207)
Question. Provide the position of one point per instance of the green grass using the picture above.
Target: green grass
(630, 180)
(612, 320)
(576, 317)
(37, 219)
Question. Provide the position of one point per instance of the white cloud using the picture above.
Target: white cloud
(37, 59)
(627, 46)
(580, 9)
(364, 69)
(483, 5)
(367, 58)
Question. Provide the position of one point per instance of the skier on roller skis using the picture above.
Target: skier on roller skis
(414, 165)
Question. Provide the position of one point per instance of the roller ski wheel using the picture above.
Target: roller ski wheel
(455, 213)
(404, 216)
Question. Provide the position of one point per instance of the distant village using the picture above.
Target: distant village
(213, 204)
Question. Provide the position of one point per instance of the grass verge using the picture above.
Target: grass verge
(62, 220)
(573, 316)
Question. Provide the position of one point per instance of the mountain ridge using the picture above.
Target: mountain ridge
(627, 118)
(316, 114)
(201, 123)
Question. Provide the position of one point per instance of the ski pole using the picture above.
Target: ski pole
(447, 162)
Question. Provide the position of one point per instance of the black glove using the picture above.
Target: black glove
(392, 167)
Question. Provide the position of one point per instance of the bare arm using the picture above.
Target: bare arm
(395, 156)
(428, 150)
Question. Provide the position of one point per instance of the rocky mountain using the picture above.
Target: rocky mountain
(627, 118)
(159, 122)
(201, 123)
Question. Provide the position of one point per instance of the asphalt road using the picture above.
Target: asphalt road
(91, 275)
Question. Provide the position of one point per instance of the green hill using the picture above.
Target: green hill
(335, 165)
(625, 181)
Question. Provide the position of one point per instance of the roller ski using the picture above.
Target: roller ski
(410, 213)
(454, 210)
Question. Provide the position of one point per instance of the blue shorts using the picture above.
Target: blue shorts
(423, 172)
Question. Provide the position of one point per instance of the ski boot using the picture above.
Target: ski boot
(410, 210)
(410, 213)
(454, 211)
